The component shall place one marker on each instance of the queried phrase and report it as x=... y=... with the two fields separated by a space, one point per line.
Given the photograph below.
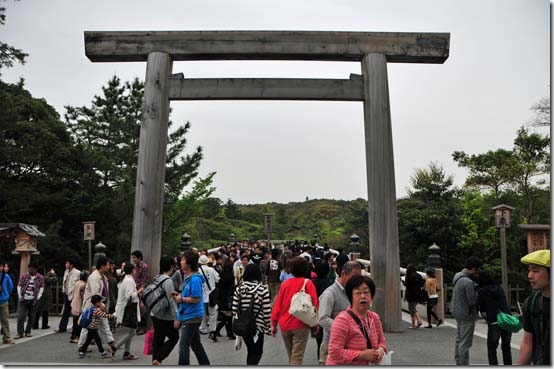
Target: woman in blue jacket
x=191 y=311
x=6 y=287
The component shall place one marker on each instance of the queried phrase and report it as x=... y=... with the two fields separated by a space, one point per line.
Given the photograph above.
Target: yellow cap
x=539 y=257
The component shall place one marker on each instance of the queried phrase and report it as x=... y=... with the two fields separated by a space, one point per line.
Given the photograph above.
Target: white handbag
x=302 y=308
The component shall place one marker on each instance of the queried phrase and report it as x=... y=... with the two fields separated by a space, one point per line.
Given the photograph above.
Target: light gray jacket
x=464 y=297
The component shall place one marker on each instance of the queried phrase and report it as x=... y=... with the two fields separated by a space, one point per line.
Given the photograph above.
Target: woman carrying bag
x=295 y=333
x=251 y=290
x=127 y=311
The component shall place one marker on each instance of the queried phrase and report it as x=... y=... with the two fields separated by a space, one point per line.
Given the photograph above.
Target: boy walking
x=99 y=313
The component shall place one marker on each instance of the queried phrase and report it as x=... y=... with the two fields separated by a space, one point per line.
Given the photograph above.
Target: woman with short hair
x=357 y=334
x=295 y=332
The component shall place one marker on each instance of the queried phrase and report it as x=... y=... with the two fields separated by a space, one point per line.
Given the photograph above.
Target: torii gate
x=373 y=49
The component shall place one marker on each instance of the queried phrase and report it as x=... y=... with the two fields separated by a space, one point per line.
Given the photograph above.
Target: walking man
x=97 y=284
x=333 y=301
x=464 y=308
x=535 y=347
x=70 y=277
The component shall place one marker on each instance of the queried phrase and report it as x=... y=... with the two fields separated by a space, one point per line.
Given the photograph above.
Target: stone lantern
x=434 y=261
x=99 y=250
x=434 y=258
x=185 y=241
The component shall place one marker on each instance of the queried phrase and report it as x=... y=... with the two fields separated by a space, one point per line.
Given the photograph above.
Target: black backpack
x=245 y=324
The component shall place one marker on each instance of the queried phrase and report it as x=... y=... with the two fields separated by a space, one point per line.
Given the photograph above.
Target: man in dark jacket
x=492 y=298
x=464 y=308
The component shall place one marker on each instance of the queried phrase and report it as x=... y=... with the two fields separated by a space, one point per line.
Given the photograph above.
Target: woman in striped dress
x=250 y=289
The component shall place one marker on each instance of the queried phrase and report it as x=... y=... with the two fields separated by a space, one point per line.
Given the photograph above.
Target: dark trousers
x=25 y=310
x=92 y=335
x=431 y=302
x=227 y=322
x=190 y=339
x=255 y=349
x=38 y=315
x=160 y=347
x=494 y=334
x=66 y=314
x=76 y=332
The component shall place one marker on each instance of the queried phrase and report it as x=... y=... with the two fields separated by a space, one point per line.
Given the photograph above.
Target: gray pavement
x=411 y=347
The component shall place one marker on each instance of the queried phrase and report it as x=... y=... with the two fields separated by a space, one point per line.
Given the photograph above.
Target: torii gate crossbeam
x=373 y=49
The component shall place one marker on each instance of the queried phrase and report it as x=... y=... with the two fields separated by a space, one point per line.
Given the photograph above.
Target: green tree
x=189 y=205
x=531 y=164
x=110 y=130
x=231 y=210
x=430 y=214
x=9 y=54
x=212 y=207
x=490 y=170
x=46 y=178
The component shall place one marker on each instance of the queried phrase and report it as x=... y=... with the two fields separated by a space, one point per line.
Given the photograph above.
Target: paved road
x=411 y=347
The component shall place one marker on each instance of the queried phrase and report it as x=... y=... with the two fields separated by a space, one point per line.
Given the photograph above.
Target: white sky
x=282 y=151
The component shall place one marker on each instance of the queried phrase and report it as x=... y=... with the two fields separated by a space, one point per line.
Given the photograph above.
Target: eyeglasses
x=360 y=293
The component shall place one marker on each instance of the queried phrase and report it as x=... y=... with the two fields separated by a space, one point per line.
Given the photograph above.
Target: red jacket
x=280 y=313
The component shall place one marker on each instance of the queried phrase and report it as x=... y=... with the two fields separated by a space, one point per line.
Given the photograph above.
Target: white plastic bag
x=302 y=308
x=238 y=343
x=387 y=358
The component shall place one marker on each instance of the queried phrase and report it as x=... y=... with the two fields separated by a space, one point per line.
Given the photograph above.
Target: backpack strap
x=160 y=284
x=206 y=278
x=360 y=325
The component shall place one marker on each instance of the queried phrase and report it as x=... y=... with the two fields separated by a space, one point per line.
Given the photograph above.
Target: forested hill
x=333 y=221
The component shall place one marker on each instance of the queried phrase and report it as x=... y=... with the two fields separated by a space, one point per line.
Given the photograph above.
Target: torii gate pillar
x=148 y=213
x=381 y=193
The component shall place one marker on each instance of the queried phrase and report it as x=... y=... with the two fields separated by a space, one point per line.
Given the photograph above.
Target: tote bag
x=302 y=308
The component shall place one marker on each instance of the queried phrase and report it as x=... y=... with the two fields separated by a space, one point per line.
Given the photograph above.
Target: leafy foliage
x=9 y=54
x=56 y=175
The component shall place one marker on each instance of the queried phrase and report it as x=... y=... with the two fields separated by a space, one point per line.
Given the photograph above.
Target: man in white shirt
x=70 y=277
x=211 y=277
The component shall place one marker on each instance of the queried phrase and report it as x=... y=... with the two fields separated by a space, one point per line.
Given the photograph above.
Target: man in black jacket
x=492 y=298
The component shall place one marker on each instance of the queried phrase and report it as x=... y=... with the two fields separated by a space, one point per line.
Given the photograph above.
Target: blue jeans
x=190 y=339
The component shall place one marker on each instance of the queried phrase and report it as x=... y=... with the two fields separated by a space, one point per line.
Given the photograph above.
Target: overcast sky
x=499 y=66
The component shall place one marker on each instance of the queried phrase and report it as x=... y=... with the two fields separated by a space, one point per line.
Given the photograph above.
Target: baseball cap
x=203 y=260
x=539 y=257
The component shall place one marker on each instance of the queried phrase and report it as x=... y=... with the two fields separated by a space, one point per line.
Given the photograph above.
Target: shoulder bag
x=302 y=308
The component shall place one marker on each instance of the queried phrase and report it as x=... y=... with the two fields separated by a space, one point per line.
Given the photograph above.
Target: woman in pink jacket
x=356 y=334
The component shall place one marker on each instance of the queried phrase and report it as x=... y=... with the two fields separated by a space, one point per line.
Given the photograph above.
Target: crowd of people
x=203 y=292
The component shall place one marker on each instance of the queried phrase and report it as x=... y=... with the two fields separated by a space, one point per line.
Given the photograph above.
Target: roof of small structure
x=31 y=230
x=533 y=227
x=503 y=206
